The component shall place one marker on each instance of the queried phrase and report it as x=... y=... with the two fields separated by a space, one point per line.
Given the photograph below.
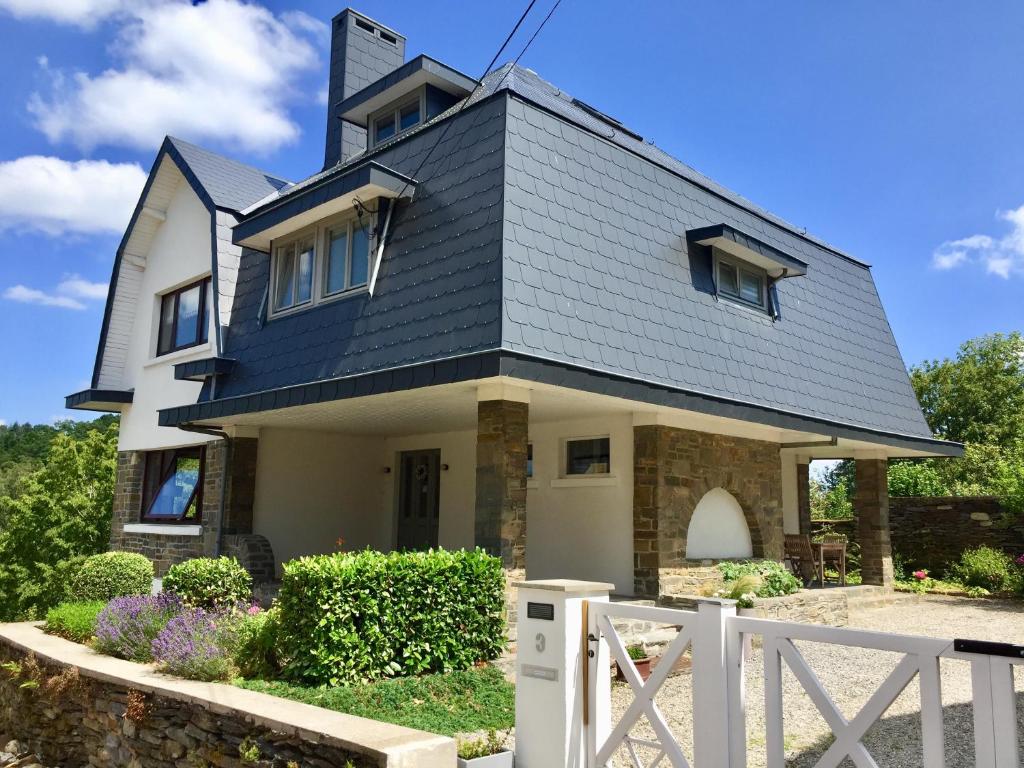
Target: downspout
x=218 y=542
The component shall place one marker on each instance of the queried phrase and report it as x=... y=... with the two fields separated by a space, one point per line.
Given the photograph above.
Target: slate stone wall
x=501 y=446
x=931 y=531
x=72 y=721
x=672 y=471
x=166 y=550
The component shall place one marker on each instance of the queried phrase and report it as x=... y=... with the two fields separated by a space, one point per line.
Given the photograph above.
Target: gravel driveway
x=851 y=676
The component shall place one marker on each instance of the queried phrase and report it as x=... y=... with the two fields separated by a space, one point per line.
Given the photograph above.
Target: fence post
x=712 y=735
x=550 y=689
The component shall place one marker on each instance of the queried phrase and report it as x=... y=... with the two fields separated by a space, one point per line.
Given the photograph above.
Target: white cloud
x=25 y=295
x=78 y=286
x=3 y=423
x=55 y=196
x=221 y=70
x=998 y=256
x=81 y=13
x=71 y=293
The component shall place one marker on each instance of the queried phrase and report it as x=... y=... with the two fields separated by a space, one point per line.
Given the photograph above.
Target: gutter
x=218 y=542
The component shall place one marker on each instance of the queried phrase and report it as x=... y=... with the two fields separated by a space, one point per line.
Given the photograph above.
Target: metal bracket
x=989 y=648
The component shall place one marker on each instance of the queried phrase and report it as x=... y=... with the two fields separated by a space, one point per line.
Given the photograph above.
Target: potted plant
x=638 y=655
x=487 y=752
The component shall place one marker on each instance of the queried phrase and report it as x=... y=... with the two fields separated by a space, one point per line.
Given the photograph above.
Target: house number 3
x=541 y=643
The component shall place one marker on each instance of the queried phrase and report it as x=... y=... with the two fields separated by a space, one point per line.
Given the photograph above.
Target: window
x=293 y=278
x=395 y=119
x=529 y=459
x=741 y=282
x=184 y=317
x=325 y=262
x=173 y=485
x=588 y=456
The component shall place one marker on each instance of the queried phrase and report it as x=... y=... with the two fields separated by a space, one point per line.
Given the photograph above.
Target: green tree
x=830 y=499
x=917 y=478
x=62 y=511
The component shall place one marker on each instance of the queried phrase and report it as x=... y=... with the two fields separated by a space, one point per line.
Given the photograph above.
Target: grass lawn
x=457 y=702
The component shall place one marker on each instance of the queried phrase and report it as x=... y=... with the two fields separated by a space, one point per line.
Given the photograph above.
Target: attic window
x=396 y=118
x=740 y=282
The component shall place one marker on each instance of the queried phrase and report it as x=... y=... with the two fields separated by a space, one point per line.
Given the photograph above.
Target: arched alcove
x=718 y=528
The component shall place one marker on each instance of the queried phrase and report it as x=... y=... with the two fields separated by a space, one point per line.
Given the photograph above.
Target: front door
x=419 y=493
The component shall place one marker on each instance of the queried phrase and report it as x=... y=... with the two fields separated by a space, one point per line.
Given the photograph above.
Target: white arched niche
x=718 y=529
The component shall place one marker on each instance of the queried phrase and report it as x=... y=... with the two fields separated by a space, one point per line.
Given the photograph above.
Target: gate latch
x=989 y=648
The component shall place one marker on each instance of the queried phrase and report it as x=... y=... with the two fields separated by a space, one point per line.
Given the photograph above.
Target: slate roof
x=229 y=183
x=595 y=272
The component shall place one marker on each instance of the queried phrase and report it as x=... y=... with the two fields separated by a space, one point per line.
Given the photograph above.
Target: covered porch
x=556 y=481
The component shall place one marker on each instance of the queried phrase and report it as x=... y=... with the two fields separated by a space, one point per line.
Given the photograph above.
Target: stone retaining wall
x=73 y=707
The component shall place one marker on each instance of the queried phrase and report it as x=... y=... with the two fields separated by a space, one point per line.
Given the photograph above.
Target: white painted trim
x=157 y=529
x=198 y=351
x=584 y=481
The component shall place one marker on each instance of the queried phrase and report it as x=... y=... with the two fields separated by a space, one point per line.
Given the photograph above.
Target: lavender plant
x=128 y=625
x=199 y=644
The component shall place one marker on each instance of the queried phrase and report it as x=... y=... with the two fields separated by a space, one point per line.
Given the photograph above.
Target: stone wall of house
x=167 y=549
x=501 y=448
x=931 y=531
x=74 y=718
x=672 y=471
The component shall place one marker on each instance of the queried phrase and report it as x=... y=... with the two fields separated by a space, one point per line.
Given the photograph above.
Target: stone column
x=131 y=468
x=646 y=484
x=803 y=496
x=501 y=442
x=240 y=494
x=871 y=505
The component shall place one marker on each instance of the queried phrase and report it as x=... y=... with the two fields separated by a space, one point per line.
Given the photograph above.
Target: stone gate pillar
x=871 y=506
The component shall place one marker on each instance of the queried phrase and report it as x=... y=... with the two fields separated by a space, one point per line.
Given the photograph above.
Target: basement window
x=184 y=317
x=173 y=485
x=587 y=456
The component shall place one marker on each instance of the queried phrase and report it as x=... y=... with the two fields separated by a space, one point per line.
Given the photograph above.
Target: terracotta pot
x=643 y=668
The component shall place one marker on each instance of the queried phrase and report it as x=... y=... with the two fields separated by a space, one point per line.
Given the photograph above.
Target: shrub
x=776 y=580
x=351 y=617
x=74 y=621
x=127 y=626
x=256 y=647
x=113 y=574
x=987 y=568
x=212 y=583
x=743 y=590
x=198 y=644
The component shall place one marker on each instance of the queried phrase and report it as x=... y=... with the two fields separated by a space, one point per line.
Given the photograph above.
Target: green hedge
x=353 y=617
x=112 y=574
x=208 y=582
x=74 y=621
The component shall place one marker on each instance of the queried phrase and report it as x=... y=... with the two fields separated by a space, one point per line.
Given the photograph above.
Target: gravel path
x=851 y=675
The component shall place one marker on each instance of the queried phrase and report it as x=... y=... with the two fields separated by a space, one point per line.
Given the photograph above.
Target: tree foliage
x=61 y=511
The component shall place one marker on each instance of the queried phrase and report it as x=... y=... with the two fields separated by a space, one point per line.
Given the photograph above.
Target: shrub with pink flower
x=920 y=575
x=1020 y=560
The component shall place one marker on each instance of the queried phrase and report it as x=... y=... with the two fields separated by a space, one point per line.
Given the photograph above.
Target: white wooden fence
x=715 y=636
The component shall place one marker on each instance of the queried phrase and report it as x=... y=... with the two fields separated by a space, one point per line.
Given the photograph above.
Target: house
x=496 y=317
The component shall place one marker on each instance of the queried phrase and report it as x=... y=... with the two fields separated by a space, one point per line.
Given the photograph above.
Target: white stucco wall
x=584 y=530
x=718 y=528
x=179 y=254
x=790 y=511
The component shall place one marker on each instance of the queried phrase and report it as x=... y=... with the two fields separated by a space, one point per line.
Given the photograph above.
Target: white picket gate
x=714 y=634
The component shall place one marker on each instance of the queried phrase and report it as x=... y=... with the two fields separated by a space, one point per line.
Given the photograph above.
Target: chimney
x=362 y=52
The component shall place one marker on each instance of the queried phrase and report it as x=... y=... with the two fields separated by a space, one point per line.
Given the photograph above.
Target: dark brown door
x=419 y=494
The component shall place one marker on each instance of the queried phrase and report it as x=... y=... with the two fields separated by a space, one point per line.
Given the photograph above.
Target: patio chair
x=802 y=559
x=831 y=548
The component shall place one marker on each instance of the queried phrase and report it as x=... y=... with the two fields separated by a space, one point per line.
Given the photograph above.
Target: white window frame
x=563 y=469
x=395 y=108
x=741 y=267
x=320 y=233
x=292 y=243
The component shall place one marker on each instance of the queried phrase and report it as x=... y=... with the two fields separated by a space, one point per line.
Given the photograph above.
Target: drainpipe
x=218 y=542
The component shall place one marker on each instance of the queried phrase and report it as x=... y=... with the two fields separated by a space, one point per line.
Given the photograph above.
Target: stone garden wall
x=931 y=531
x=74 y=708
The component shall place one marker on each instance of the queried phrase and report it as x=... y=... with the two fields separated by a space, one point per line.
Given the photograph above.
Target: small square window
x=383 y=128
x=746 y=284
x=750 y=287
x=728 y=283
x=172 y=486
x=529 y=459
x=409 y=115
x=588 y=456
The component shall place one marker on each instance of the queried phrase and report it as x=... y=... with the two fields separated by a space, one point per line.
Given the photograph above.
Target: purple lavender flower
x=127 y=625
x=198 y=644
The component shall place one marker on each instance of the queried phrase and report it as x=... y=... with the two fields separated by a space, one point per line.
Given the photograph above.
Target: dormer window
x=395 y=119
x=740 y=282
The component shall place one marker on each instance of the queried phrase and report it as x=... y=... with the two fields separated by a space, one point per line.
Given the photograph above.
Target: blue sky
x=892 y=130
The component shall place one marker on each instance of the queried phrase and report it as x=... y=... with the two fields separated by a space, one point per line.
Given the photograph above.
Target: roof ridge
x=178 y=142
